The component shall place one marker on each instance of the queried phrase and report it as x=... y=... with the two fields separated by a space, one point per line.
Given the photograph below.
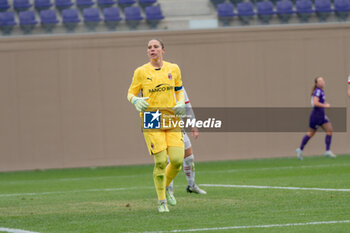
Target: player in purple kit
x=318 y=118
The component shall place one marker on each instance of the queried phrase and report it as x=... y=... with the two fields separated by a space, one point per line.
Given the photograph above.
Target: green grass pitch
x=123 y=199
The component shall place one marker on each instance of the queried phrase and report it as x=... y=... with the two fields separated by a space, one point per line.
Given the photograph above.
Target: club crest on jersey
x=152 y=146
x=170 y=77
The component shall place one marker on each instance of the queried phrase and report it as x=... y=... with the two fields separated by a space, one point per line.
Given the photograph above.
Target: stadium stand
x=235 y=2
x=4 y=5
x=70 y=18
x=91 y=18
x=48 y=20
x=217 y=2
x=265 y=11
x=342 y=9
x=225 y=13
x=63 y=4
x=133 y=16
x=284 y=10
x=153 y=16
x=126 y=3
x=177 y=14
x=112 y=17
x=304 y=10
x=245 y=12
x=323 y=9
x=42 y=5
x=27 y=21
x=146 y=3
x=105 y=3
x=7 y=22
x=21 y=5
x=82 y=4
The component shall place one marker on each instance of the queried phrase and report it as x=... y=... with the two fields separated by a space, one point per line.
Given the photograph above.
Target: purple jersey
x=318 y=116
x=321 y=98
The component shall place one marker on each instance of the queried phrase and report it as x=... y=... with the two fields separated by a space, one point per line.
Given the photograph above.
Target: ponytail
x=315 y=85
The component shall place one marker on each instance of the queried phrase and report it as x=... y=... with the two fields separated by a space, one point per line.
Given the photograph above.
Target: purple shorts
x=317 y=120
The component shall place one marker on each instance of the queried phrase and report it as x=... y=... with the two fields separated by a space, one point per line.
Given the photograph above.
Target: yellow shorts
x=159 y=140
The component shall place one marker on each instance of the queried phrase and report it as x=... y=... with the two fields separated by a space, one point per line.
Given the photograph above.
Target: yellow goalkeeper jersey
x=159 y=84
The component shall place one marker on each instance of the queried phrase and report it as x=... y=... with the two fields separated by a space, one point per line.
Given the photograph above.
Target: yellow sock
x=160 y=161
x=176 y=156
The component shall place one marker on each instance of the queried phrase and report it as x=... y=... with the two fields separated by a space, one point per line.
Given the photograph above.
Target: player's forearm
x=130 y=96
x=320 y=105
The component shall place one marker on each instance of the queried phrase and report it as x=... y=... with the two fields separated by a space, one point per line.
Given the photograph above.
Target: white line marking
x=253 y=226
x=273 y=187
x=73 y=191
x=151 y=187
x=15 y=230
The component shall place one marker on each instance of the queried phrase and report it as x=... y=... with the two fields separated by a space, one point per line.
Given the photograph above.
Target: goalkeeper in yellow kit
x=161 y=87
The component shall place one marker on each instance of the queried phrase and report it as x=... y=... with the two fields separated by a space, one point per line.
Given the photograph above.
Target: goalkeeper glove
x=180 y=108
x=140 y=103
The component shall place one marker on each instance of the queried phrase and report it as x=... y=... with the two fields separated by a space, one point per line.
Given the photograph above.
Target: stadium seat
x=4 y=5
x=27 y=21
x=146 y=3
x=126 y=3
x=7 y=22
x=225 y=13
x=42 y=4
x=284 y=10
x=111 y=17
x=265 y=11
x=105 y=3
x=70 y=18
x=48 y=20
x=82 y=4
x=153 y=16
x=342 y=9
x=323 y=9
x=245 y=12
x=21 y=5
x=91 y=18
x=133 y=16
x=304 y=10
x=63 y=4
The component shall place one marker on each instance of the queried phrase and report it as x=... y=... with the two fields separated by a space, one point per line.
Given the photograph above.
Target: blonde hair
x=315 y=85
